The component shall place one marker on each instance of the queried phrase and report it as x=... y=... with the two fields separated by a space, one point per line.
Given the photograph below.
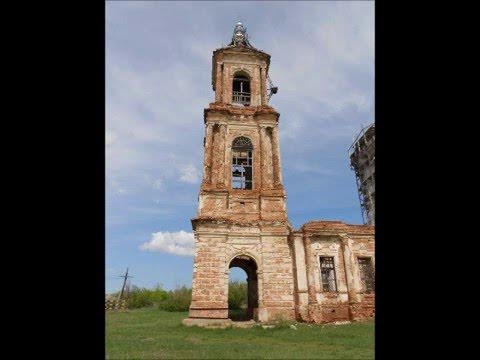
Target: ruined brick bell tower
x=242 y=219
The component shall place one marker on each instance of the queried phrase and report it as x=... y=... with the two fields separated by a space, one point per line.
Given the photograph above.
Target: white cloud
x=177 y=243
x=189 y=174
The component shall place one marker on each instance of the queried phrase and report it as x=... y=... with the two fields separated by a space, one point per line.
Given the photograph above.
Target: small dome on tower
x=240 y=37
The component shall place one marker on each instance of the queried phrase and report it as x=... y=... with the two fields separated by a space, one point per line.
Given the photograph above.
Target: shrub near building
x=179 y=299
x=138 y=297
x=237 y=295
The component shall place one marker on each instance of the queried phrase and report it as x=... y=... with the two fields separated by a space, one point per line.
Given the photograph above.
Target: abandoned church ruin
x=321 y=272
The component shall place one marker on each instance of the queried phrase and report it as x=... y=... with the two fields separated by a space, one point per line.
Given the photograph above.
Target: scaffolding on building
x=362 y=162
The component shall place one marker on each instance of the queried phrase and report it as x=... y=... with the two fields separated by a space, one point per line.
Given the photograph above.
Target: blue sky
x=158 y=81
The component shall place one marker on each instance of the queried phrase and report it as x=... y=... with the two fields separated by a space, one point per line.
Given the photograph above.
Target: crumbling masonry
x=323 y=271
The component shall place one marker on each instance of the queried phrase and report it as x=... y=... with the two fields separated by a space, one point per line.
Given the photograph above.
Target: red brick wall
x=329 y=238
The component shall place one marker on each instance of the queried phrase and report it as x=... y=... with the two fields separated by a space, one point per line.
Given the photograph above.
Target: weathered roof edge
x=337 y=226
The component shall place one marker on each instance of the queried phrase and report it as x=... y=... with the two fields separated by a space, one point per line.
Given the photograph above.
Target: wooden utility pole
x=125 y=277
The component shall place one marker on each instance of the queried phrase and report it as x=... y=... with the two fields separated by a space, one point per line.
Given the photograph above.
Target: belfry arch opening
x=241 y=89
x=250 y=309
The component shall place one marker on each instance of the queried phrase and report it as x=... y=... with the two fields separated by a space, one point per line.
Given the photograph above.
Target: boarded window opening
x=329 y=277
x=367 y=277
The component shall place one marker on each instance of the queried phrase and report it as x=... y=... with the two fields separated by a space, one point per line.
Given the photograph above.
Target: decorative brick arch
x=247 y=253
x=240 y=69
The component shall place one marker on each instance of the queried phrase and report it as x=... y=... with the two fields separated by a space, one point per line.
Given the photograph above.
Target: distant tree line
x=180 y=298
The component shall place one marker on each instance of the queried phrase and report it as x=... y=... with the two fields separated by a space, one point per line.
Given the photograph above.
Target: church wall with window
x=334 y=270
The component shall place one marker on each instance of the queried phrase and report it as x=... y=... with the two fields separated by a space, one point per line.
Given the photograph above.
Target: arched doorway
x=249 y=265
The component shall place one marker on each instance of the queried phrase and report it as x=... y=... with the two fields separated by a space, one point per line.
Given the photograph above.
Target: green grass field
x=155 y=334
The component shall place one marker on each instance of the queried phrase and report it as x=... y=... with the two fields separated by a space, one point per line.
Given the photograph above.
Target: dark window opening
x=241 y=90
x=242 y=164
x=367 y=277
x=327 y=270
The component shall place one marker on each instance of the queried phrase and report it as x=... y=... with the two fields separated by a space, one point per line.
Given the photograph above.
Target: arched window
x=241 y=89
x=242 y=161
